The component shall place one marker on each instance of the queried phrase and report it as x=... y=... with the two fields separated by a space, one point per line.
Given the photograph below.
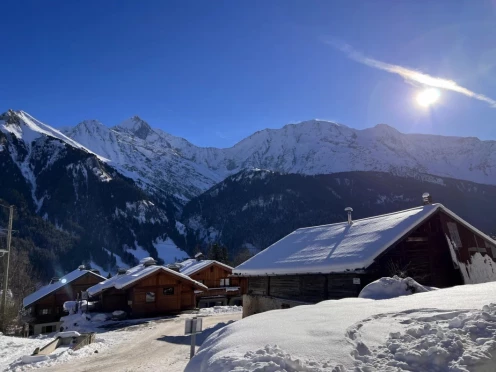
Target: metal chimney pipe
x=349 y=210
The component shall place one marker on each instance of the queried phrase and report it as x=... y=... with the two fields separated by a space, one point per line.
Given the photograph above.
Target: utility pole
x=6 y=277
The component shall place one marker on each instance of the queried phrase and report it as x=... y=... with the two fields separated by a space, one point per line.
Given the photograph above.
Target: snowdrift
x=444 y=330
x=385 y=288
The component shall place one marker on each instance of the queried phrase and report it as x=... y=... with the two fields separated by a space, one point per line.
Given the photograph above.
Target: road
x=162 y=348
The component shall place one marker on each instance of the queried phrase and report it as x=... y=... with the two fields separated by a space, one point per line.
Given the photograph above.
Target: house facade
x=431 y=244
x=45 y=306
x=223 y=288
x=146 y=290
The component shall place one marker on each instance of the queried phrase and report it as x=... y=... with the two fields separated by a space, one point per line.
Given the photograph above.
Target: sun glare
x=428 y=97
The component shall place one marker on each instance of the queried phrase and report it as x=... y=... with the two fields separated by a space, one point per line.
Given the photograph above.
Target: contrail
x=409 y=74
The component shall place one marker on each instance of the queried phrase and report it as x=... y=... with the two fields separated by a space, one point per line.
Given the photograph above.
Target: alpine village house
x=45 y=306
x=145 y=290
x=429 y=243
x=223 y=288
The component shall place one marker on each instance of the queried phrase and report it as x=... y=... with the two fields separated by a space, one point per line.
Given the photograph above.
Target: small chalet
x=145 y=290
x=45 y=306
x=430 y=244
x=223 y=289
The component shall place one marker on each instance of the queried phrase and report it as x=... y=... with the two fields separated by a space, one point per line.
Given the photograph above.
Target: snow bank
x=220 y=310
x=13 y=348
x=67 y=334
x=450 y=329
x=385 y=288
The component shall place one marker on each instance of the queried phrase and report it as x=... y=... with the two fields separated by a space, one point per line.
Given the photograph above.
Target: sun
x=428 y=97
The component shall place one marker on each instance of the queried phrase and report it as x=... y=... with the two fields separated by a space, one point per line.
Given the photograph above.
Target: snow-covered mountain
x=311 y=147
x=118 y=193
x=72 y=207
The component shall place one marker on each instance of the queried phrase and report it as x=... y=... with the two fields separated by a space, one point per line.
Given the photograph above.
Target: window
x=48 y=329
x=45 y=311
x=224 y=282
x=169 y=291
x=150 y=296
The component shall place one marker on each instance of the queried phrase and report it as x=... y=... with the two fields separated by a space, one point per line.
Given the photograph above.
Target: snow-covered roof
x=340 y=247
x=135 y=274
x=192 y=266
x=50 y=288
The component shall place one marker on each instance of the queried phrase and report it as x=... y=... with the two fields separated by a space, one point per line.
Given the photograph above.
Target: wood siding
x=211 y=275
x=422 y=254
x=306 y=288
x=170 y=294
x=54 y=302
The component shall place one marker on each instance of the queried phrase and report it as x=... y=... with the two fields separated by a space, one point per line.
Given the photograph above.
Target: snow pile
x=385 y=288
x=67 y=334
x=458 y=341
x=220 y=310
x=76 y=322
x=12 y=348
x=450 y=329
x=271 y=359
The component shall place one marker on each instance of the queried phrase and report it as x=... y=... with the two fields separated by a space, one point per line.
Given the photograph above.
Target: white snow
x=480 y=269
x=445 y=330
x=385 y=288
x=137 y=273
x=67 y=334
x=168 y=251
x=153 y=157
x=220 y=310
x=46 y=290
x=31 y=129
x=340 y=247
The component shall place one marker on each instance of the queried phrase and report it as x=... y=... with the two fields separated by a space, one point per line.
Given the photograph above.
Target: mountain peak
x=136 y=126
x=10 y=117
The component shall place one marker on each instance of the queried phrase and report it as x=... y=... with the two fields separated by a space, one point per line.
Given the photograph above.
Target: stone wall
x=254 y=304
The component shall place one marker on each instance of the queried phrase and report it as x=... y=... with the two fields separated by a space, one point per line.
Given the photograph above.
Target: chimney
x=349 y=210
x=199 y=256
x=82 y=267
x=426 y=198
x=149 y=262
x=55 y=279
x=174 y=267
x=121 y=271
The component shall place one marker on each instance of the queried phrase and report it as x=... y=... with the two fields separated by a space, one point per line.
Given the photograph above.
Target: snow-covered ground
x=127 y=334
x=220 y=310
x=443 y=330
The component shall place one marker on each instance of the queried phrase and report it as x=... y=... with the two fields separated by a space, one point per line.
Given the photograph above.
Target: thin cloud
x=409 y=74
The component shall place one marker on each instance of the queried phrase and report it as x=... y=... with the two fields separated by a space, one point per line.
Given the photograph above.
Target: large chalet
x=429 y=243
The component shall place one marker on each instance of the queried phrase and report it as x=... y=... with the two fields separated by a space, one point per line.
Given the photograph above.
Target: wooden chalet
x=45 y=306
x=430 y=243
x=146 y=290
x=223 y=288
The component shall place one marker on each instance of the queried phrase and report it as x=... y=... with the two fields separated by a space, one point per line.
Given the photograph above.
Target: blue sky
x=216 y=71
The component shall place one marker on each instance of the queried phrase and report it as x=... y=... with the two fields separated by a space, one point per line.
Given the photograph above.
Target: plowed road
x=162 y=348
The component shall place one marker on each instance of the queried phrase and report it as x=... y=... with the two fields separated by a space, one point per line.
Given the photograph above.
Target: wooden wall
x=134 y=298
x=423 y=255
x=307 y=288
x=55 y=300
x=211 y=275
